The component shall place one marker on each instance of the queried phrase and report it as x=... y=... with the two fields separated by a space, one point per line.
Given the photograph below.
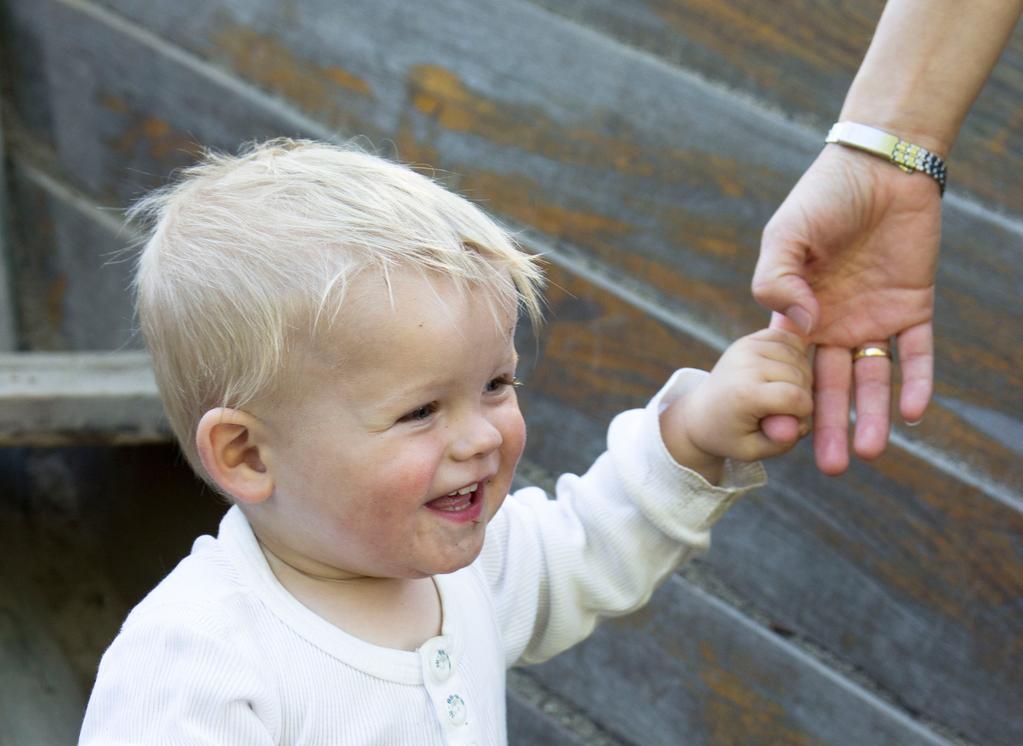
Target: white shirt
x=220 y=653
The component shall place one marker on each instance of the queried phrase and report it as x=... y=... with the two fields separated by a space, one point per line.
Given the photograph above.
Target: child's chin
x=458 y=561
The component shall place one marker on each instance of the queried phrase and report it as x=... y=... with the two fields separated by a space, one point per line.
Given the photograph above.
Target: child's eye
x=419 y=413
x=501 y=382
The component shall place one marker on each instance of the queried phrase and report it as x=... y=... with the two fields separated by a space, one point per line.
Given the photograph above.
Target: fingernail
x=915 y=423
x=800 y=317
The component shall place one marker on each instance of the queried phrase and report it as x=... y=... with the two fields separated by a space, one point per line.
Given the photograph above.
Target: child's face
x=365 y=455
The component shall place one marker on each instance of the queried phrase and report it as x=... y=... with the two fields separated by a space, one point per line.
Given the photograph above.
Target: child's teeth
x=465 y=490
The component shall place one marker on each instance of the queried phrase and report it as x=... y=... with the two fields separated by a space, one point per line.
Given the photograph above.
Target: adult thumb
x=778 y=284
x=782 y=429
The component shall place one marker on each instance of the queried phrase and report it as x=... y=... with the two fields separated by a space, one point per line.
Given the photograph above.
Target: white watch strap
x=905 y=155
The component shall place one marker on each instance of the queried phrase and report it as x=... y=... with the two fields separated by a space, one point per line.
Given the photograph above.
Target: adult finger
x=779 y=283
x=873 y=376
x=916 y=362
x=832 y=369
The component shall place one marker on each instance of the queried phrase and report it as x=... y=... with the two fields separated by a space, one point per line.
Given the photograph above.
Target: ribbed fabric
x=220 y=653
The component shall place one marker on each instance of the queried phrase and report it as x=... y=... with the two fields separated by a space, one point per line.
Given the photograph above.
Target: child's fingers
x=781 y=347
x=780 y=397
x=781 y=338
x=772 y=371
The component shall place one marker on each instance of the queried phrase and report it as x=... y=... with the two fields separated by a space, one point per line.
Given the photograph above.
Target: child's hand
x=763 y=374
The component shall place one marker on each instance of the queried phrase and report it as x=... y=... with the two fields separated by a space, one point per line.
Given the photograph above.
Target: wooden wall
x=641 y=146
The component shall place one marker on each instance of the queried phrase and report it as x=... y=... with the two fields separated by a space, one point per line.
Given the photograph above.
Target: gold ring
x=871 y=351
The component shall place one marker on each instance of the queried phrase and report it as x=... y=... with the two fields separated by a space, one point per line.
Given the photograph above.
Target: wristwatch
x=907 y=156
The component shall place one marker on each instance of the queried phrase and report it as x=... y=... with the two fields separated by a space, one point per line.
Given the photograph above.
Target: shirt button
x=456 y=709
x=440 y=664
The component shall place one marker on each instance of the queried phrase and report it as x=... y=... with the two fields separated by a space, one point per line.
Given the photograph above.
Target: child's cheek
x=513 y=432
x=414 y=474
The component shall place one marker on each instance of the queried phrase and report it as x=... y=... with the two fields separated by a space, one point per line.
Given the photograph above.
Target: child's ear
x=231 y=451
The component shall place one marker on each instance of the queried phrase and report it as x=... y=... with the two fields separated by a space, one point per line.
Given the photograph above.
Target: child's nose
x=478 y=437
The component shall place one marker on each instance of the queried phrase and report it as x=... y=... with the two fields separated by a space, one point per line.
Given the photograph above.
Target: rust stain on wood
x=439 y=94
x=752 y=40
x=988 y=551
x=737 y=712
x=997 y=143
x=156 y=136
x=819 y=34
x=55 y=293
x=270 y=64
x=524 y=200
x=412 y=150
x=599 y=356
x=347 y=80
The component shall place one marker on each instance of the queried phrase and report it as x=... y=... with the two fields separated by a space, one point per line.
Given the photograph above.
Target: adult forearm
x=926 y=64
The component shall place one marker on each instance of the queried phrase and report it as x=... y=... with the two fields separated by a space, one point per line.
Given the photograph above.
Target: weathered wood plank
x=801 y=57
x=562 y=148
x=23 y=61
x=68 y=398
x=690 y=669
x=865 y=566
x=66 y=252
x=40 y=702
x=537 y=717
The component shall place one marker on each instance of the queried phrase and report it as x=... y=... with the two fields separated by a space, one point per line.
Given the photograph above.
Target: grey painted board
x=70 y=273
x=40 y=702
x=800 y=58
x=527 y=727
x=23 y=50
x=655 y=678
x=865 y=566
x=66 y=398
x=535 y=716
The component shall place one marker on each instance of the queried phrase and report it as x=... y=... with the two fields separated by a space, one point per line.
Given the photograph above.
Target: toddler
x=333 y=336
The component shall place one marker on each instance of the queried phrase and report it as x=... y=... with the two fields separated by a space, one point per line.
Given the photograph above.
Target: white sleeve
x=168 y=681
x=555 y=567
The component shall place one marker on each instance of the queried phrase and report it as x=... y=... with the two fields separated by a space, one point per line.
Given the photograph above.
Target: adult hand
x=849 y=259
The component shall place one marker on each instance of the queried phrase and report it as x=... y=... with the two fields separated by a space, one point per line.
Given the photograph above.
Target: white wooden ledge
x=49 y=399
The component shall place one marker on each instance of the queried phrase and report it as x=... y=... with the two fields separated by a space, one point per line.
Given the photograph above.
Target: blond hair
x=248 y=256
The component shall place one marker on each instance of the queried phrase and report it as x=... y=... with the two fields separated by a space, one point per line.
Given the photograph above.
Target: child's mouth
x=462 y=505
